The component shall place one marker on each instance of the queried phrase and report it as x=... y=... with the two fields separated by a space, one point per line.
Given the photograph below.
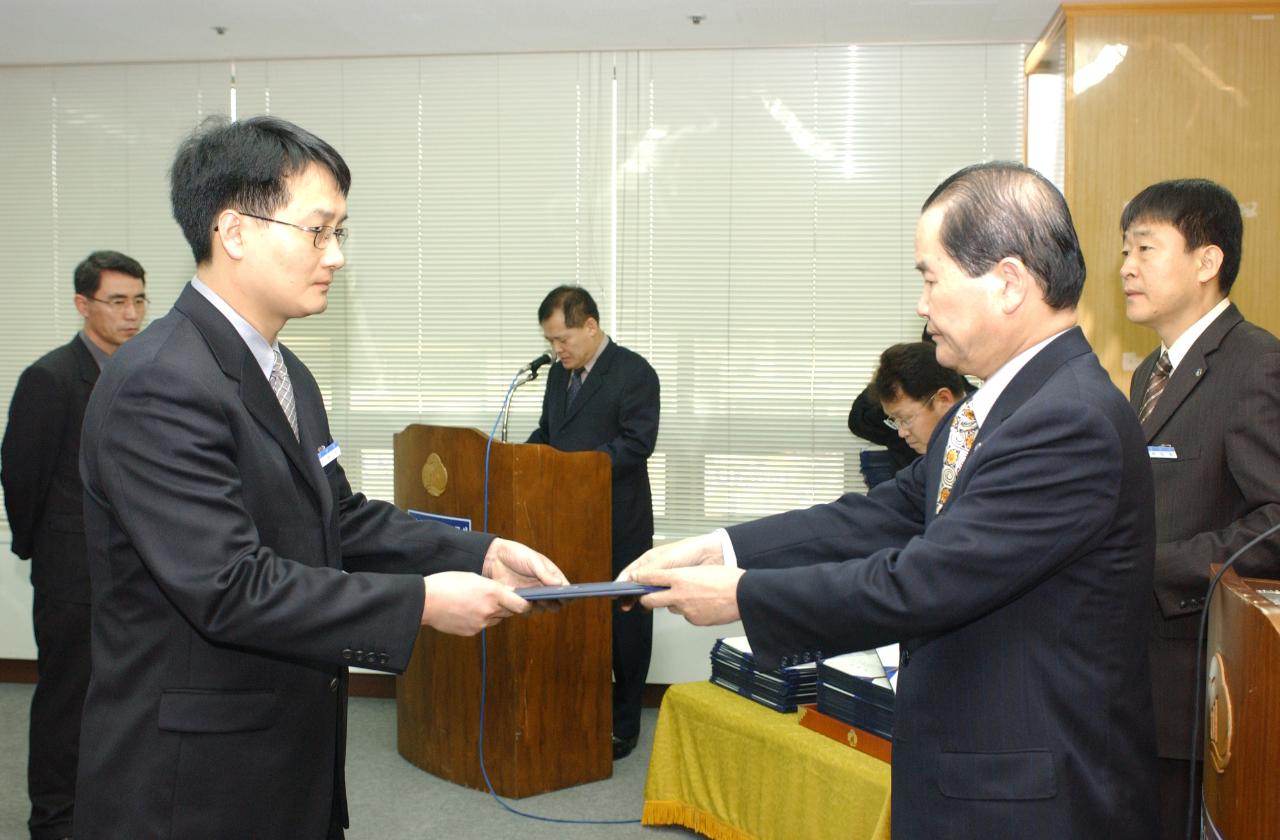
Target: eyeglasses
x=896 y=423
x=323 y=233
x=119 y=302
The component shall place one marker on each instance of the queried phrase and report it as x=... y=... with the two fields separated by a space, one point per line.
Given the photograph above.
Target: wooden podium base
x=548 y=713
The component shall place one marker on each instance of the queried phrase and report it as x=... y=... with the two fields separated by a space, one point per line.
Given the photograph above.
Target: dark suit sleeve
x=166 y=460
x=638 y=410
x=1252 y=447
x=379 y=537
x=855 y=525
x=1044 y=491
x=37 y=420
x=539 y=434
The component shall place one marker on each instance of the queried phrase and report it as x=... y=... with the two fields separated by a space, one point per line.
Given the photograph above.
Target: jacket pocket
x=191 y=710
x=1024 y=774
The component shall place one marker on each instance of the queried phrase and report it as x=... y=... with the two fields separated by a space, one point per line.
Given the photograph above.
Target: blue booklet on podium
x=604 y=589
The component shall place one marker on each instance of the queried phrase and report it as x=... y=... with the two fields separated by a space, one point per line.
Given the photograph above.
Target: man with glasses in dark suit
x=43 y=497
x=603 y=397
x=235 y=572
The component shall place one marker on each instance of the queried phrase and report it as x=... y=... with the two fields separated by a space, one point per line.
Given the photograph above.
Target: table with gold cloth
x=731 y=769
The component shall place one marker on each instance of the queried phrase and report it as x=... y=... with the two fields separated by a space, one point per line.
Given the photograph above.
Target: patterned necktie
x=1155 y=386
x=284 y=391
x=964 y=428
x=575 y=385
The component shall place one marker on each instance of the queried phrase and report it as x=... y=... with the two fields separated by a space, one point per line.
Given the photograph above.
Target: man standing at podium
x=1012 y=561
x=605 y=397
x=1208 y=399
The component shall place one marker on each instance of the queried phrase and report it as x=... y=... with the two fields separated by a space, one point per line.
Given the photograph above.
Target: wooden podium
x=1242 y=711
x=548 y=712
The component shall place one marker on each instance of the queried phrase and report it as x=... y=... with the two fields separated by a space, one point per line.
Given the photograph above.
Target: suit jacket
x=616 y=412
x=234 y=579
x=1023 y=705
x=1220 y=411
x=41 y=470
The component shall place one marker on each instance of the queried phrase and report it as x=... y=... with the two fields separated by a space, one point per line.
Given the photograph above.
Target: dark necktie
x=575 y=385
x=1155 y=386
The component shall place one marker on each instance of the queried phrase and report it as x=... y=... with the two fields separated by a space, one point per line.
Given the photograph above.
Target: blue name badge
x=458 y=522
x=1164 y=451
x=329 y=454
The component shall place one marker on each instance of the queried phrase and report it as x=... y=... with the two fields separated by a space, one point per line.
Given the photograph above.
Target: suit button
x=346 y=654
x=383 y=658
x=906 y=657
x=1183 y=603
x=333 y=684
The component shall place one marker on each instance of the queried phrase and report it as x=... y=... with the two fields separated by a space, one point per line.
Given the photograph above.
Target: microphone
x=532 y=368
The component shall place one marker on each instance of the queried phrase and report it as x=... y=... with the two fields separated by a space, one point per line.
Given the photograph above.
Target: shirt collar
x=1182 y=344
x=263 y=353
x=984 y=399
x=94 y=350
x=586 y=369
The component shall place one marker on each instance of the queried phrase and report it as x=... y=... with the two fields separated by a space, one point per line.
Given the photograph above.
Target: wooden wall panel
x=1197 y=95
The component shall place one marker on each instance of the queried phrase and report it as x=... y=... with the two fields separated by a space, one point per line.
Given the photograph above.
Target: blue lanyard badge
x=1164 y=451
x=329 y=454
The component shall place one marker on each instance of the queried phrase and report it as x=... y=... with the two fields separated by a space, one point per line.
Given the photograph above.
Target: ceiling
x=95 y=31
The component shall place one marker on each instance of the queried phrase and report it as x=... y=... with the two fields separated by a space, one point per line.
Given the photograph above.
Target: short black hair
x=576 y=303
x=1004 y=209
x=243 y=165
x=88 y=276
x=912 y=370
x=1205 y=213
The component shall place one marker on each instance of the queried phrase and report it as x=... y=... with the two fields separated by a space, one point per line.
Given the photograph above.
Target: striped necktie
x=283 y=387
x=575 y=385
x=1155 y=386
x=964 y=428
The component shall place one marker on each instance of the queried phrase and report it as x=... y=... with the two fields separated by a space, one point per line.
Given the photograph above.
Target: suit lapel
x=86 y=365
x=1031 y=378
x=312 y=429
x=238 y=364
x=594 y=382
x=1189 y=372
x=1138 y=387
x=1022 y=388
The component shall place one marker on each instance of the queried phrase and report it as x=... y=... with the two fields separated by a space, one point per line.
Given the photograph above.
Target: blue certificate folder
x=604 y=589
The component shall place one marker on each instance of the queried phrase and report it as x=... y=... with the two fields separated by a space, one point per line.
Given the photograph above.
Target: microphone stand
x=522 y=378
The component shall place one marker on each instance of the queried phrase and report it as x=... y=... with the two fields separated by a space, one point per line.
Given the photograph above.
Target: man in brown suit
x=1209 y=401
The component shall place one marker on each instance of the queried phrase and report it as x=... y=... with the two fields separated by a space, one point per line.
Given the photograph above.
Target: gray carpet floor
x=392 y=799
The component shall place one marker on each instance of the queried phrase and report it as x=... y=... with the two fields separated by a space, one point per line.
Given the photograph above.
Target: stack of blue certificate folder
x=858 y=689
x=781 y=689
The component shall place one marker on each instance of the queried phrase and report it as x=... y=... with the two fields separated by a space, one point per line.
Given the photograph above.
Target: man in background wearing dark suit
x=235 y=574
x=1012 y=561
x=605 y=397
x=44 y=499
x=1209 y=401
x=915 y=392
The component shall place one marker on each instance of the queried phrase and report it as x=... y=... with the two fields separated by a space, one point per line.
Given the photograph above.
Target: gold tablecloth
x=731 y=769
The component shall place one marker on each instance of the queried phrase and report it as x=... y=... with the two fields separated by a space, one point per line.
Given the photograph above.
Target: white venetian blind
x=84 y=155
x=744 y=218
x=767 y=213
x=476 y=189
